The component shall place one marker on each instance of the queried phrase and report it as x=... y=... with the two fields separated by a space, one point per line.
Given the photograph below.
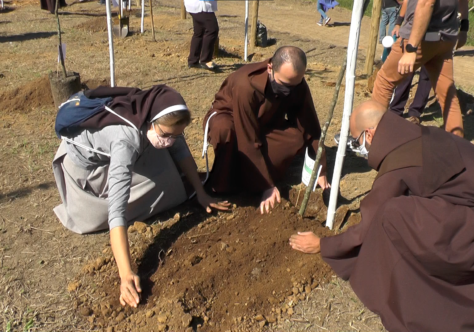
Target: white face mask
x=157 y=141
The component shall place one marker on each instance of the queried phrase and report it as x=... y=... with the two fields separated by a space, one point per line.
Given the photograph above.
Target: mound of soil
x=97 y=24
x=27 y=97
x=234 y=271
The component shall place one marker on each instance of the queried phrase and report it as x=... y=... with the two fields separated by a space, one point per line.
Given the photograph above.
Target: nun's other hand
x=129 y=290
x=306 y=242
x=209 y=203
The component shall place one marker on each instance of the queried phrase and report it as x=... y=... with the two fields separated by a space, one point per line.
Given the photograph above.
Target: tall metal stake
x=142 y=27
x=352 y=47
x=246 y=43
x=111 y=43
x=314 y=173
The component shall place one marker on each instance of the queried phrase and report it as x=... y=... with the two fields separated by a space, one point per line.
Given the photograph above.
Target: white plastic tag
x=308 y=169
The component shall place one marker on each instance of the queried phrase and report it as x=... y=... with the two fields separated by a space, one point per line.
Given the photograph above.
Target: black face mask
x=280 y=89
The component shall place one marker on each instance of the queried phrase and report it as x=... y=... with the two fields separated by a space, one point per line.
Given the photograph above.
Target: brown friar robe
x=411 y=258
x=51 y=5
x=255 y=133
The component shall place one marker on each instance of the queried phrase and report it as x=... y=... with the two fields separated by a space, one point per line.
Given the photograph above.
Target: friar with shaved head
x=261 y=118
x=411 y=258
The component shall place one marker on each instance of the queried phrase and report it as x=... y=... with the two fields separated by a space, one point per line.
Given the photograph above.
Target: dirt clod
x=84 y=311
x=186 y=320
x=162 y=319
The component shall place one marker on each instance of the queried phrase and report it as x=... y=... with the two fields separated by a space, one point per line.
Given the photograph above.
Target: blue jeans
x=321 y=11
x=389 y=16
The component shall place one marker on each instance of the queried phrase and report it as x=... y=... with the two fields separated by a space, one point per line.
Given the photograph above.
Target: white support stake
x=352 y=47
x=246 y=30
x=143 y=16
x=111 y=43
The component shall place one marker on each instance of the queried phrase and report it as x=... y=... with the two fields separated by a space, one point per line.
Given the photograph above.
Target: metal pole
x=111 y=43
x=143 y=17
x=352 y=47
x=246 y=44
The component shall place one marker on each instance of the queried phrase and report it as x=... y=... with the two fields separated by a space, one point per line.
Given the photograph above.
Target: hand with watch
x=407 y=61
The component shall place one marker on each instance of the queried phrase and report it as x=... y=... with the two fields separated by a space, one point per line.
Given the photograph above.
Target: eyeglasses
x=355 y=141
x=166 y=135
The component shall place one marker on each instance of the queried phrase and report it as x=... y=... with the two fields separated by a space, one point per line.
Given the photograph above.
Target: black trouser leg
x=205 y=35
x=422 y=94
x=401 y=94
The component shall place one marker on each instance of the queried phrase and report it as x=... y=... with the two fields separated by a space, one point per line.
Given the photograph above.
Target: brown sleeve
x=245 y=107
x=107 y=91
x=341 y=251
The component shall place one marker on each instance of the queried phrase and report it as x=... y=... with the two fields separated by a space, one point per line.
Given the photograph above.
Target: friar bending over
x=411 y=258
x=262 y=116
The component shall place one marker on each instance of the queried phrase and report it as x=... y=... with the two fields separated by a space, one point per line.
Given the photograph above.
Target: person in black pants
x=206 y=30
x=402 y=92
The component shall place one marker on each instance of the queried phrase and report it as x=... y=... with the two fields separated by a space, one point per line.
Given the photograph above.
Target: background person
x=120 y=167
x=402 y=91
x=323 y=6
x=428 y=36
x=206 y=31
x=389 y=18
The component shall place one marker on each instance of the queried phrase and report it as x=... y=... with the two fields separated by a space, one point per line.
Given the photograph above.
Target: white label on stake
x=308 y=169
x=63 y=46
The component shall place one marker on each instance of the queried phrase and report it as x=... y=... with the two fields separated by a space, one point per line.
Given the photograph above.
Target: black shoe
x=211 y=67
x=194 y=65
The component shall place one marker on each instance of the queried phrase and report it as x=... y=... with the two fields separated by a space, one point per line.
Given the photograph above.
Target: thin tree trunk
x=312 y=180
x=61 y=56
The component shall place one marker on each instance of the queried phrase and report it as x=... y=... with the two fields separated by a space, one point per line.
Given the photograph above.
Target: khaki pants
x=437 y=57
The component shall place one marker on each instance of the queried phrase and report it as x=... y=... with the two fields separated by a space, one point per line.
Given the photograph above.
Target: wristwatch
x=410 y=48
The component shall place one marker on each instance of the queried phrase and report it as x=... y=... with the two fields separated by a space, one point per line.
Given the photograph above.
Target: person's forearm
x=423 y=12
x=188 y=166
x=120 y=248
x=403 y=10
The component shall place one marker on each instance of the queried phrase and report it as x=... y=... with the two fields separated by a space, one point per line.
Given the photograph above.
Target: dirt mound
x=97 y=24
x=24 y=99
x=232 y=271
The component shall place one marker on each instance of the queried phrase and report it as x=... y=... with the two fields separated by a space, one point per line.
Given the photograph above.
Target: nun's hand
x=306 y=242
x=130 y=289
x=209 y=203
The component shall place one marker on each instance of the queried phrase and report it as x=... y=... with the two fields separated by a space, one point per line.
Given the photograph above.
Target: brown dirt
x=235 y=271
x=25 y=98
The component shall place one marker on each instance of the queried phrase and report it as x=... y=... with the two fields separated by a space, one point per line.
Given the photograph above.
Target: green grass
x=349 y=4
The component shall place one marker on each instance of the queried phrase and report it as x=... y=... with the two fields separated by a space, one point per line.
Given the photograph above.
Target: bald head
x=366 y=115
x=292 y=55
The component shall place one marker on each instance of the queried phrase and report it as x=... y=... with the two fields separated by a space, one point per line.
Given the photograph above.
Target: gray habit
x=156 y=186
